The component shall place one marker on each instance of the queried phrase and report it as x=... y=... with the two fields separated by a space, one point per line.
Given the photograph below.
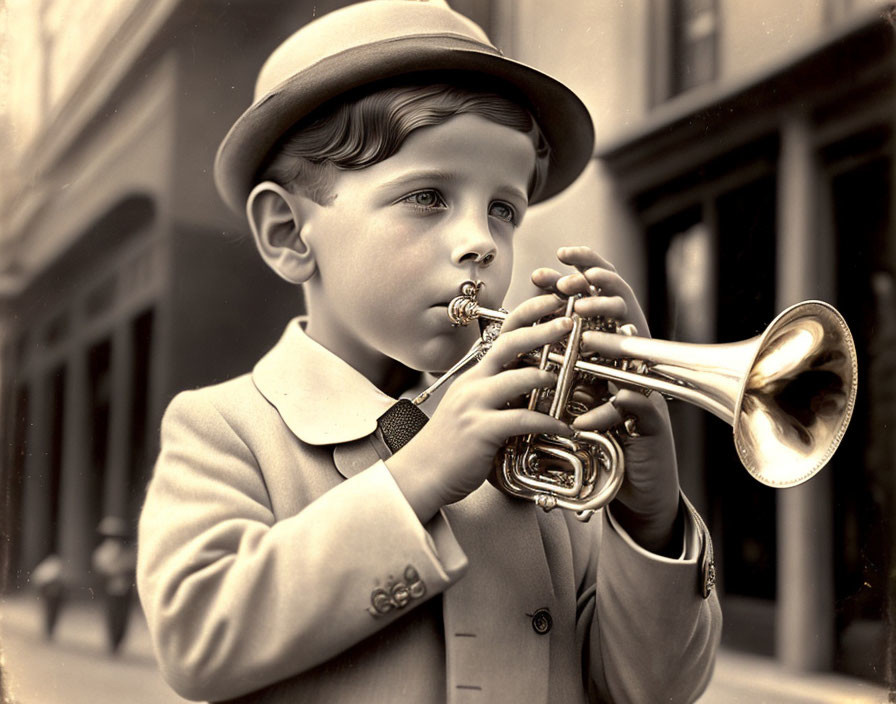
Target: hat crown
x=364 y=44
x=359 y=25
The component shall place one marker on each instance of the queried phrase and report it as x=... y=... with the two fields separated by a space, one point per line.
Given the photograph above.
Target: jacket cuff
x=696 y=546
x=446 y=561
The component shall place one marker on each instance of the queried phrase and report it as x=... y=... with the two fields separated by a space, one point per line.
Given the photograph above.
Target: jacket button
x=542 y=621
x=380 y=601
x=400 y=595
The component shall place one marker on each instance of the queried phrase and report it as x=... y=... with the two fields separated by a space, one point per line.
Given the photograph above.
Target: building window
x=695 y=28
x=684 y=46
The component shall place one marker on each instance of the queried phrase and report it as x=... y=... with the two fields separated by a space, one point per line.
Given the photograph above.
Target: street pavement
x=76 y=668
x=749 y=679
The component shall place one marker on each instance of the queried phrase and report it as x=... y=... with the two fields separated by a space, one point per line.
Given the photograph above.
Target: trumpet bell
x=798 y=395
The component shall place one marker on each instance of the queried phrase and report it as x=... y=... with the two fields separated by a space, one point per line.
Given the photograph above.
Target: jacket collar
x=321 y=398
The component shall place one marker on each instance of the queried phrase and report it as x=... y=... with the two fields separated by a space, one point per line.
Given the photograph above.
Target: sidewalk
x=75 y=668
x=749 y=679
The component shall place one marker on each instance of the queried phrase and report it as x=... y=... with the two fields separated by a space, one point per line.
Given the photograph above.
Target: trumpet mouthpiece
x=463 y=309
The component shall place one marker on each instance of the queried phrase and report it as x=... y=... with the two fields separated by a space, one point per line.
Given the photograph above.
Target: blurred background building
x=744 y=162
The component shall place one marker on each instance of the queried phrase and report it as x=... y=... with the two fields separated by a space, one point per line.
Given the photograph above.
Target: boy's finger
x=581 y=256
x=586 y=282
x=530 y=311
x=600 y=418
x=626 y=405
x=510 y=346
x=546 y=279
x=608 y=281
x=572 y=284
x=613 y=307
x=633 y=404
x=522 y=421
x=507 y=386
x=615 y=346
x=594 y=280
x=611 y=284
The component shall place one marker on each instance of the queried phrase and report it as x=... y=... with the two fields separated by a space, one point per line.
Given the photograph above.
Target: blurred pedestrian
x=48 y=578
x=115 y=559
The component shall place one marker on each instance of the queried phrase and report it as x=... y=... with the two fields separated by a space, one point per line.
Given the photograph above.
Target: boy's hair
x=357 y=132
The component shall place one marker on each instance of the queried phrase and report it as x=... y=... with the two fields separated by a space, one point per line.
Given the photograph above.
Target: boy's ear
x=278 y=220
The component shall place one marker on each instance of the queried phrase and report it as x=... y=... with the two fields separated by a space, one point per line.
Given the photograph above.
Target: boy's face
x=401 y=236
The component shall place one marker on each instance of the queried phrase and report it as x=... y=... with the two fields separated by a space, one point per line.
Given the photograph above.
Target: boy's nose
x=480 y=259
x=474 y=244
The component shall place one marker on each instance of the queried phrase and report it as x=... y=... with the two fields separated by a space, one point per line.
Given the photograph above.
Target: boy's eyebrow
x=427 y=175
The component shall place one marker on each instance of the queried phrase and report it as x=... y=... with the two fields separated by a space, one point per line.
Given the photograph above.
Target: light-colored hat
x=384 y=39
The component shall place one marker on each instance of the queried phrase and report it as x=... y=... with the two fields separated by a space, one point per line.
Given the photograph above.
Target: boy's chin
x=438 y=358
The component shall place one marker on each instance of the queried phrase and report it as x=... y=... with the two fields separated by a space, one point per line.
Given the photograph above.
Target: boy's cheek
x=501 y=275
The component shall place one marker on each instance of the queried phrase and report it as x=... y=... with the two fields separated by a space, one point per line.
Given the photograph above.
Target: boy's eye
x=425 y=199
x=502 y=211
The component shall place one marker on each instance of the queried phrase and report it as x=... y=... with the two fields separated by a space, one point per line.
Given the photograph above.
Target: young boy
x=286 y=554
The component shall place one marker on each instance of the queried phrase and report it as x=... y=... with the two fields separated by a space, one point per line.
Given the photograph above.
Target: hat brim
x=561 y=115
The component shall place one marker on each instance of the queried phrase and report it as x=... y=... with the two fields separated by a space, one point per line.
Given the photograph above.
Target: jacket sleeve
x=236 y=600
x=648 y=633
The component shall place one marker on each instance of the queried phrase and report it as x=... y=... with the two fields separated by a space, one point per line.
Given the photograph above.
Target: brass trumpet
x=789 y=394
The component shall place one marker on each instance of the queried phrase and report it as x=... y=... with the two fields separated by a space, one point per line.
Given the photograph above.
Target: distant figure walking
x=115 y=559
x=48 y=579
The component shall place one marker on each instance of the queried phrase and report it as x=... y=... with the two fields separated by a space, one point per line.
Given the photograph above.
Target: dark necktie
x=401 y=423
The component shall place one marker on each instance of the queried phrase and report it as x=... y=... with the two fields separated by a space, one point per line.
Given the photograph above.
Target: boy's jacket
x=279 y=562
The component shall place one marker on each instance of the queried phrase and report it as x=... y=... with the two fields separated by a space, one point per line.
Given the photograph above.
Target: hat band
x=465 y=42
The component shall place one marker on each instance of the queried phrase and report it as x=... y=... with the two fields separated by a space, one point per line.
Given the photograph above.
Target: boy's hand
x=647 y=503
x=453 y=453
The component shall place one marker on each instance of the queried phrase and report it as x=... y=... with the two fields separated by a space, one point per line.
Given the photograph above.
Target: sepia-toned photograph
x=458 y=351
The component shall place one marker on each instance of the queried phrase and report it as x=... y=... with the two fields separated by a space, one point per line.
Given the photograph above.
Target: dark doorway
x=140 y=459
x=57 y=430
x=99 y=358
x=863 y=467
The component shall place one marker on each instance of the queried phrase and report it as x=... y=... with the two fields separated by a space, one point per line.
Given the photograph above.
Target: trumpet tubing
x=788 y=394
